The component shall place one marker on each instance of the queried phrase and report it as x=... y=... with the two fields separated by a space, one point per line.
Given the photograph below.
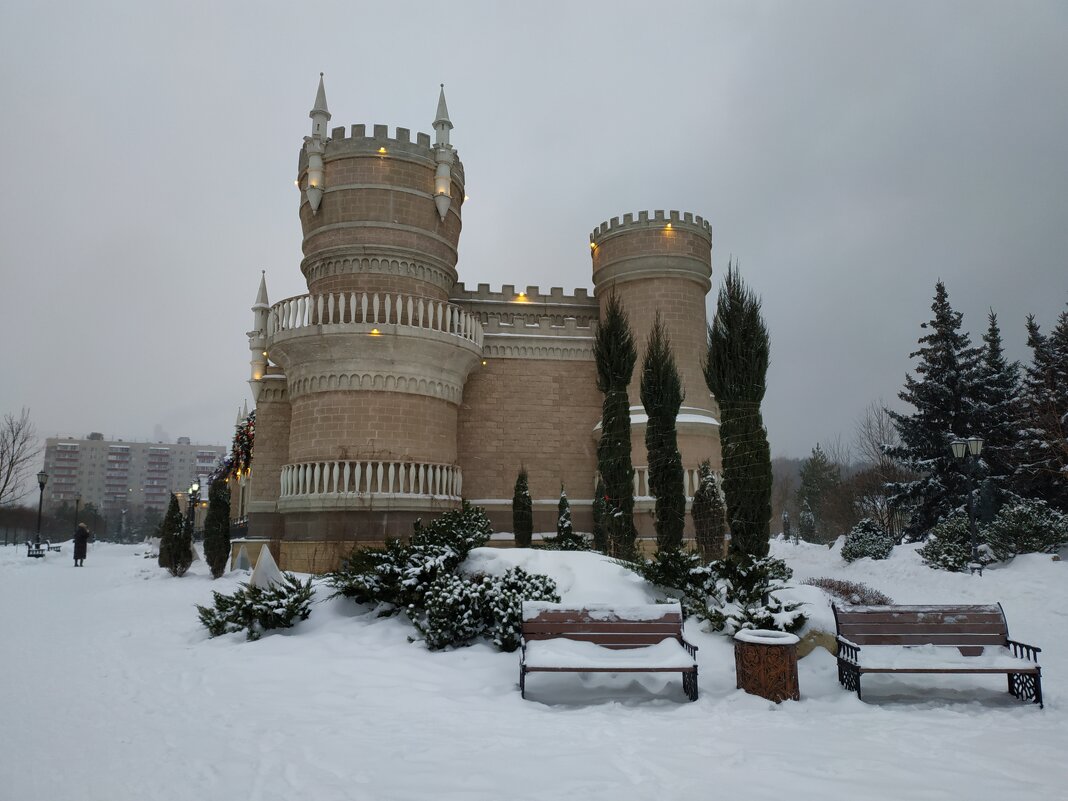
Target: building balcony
x=332 y=485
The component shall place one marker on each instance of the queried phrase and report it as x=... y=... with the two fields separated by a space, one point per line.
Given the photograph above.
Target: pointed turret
x=257 y=337
x=240 y=419
x=320 y=114
x=444 y=155
x=442 y=123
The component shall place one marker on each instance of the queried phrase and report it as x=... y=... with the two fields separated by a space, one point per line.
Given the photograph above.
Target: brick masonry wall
x=379 y=425
x=537 y=413
x=271 y=449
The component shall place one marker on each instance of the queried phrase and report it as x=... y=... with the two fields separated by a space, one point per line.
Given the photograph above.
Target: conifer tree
x=217 y=527
x=818 y=478
x=600 y=531
x=1041 y=456
x=736 y=373
x=945 y=399
x=174 y=545
x=563 y=516
x=615 y=354
x=661 y=394
x=708 y=514
x=522 y=511
x=998 y=415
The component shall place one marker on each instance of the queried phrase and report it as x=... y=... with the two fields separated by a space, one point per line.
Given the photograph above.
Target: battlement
x=540 y=327
x=379 y=143
x=654 y=219
x=532 y=295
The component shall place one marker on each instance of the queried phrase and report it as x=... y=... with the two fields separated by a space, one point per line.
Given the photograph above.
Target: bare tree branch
x=19 y=450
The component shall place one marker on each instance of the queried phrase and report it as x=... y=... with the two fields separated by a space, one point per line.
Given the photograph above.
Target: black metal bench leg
x=522 y=682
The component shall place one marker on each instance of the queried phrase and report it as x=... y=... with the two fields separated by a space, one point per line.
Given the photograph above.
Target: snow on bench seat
x=605 y=612
x=571 y=655
x=928 y=658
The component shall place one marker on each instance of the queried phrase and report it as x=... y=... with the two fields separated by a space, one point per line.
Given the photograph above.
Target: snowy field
x=112 y=690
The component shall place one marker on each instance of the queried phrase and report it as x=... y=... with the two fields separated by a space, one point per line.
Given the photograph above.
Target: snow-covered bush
x=1029 y=526
x=948 y=546
x=868 y=539
x=459 y=610
x=728 y=594
x=852 y=592
x=255 y=610
x=401 y=575
x=566 y=542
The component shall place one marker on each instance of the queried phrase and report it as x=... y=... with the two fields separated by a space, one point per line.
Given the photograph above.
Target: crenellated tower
x=374 y=357
x=662 y=261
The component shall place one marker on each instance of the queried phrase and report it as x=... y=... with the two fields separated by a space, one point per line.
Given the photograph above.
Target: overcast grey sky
x=848 y=154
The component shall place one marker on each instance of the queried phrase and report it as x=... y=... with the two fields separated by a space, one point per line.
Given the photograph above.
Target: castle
x=390 y=390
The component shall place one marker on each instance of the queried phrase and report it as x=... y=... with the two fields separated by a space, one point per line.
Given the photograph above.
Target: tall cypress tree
x=661 y=394
x=1042 y=448
x=217 y=527
x=172 y=539
x=522 y=511
x=736 y=373
x=945 y=397
x=615 y=354
x=564 y=527
x=600 y=523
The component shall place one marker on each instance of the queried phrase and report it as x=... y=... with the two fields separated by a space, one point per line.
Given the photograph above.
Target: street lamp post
x=77 y=503
x=194 y=499
x=42 y=479
x=962 y=449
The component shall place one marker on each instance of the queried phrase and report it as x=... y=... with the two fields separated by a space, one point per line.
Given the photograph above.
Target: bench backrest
x=612 y=627
x=966 y=627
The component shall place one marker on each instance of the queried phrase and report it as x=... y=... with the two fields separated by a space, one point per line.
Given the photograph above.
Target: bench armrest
x=691 y=649
x=1023 y=651
x=848 y=650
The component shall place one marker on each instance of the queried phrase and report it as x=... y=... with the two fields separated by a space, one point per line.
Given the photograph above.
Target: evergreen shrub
x=867 y=539
x=522 y=511
x=949 y=545
x=255 y=610
x=1029 y=526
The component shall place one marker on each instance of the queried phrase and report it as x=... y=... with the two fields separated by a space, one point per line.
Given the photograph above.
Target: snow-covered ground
x=111 y=690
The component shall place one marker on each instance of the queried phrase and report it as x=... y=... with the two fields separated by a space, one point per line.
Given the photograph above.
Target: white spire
x=261 y=295
x=244 y=410
x=240 y=419
x=442 y=123
x=320 y=114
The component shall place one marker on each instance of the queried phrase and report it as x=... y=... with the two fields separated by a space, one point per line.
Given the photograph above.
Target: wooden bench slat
x=1033 y=670
x=925 y=628
x=566 y=628
x=923 y=639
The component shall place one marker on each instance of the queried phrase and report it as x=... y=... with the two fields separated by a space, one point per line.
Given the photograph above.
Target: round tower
x=374 y=356
x=662 y=261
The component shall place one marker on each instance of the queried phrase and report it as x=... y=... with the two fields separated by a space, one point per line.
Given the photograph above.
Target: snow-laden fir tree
x=615 y=354
x=522 y=511
x=868 y=539
x=563 y=516
x=217 y=527
x=661 y=395
x=997 y=409
x=819 y=477
x=736 y=374
x=806 y=524
x=709 y=524
x=1041 y=457
x=945 y=397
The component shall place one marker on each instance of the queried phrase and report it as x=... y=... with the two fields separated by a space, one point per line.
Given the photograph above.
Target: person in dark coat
x=81 y=544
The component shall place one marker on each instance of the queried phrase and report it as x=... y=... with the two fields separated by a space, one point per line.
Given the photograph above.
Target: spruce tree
x=708 y=514
x=661 y=394
x=818 y=478
x=600 y=510
x=1041 y=456
x=945 y=397
x=522 y=511
x=171 y=539
x=998 y=415
x=217 y=527
x=615 y=354
x=736 y=372
x=563 y=516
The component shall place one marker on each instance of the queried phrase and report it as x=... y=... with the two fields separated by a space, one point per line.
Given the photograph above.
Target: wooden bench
x=35 y=551
x=933 y=639
x=600 y=638
x=50 y=547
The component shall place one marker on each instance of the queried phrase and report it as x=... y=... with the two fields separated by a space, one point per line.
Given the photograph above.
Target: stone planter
x=766 y=664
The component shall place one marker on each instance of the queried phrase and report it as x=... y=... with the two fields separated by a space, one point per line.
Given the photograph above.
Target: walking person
x=81 y=544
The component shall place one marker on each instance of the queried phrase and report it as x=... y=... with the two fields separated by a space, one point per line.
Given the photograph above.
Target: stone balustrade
x=365 y=308
x=347 y=478
x=691 y=479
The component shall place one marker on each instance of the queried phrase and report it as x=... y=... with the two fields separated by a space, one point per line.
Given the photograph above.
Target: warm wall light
x=296 y=184
x=483 y=362
x=668 y=226
x=382 y=150
x=593 y=245
x=375 y=332
x=466 y=198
